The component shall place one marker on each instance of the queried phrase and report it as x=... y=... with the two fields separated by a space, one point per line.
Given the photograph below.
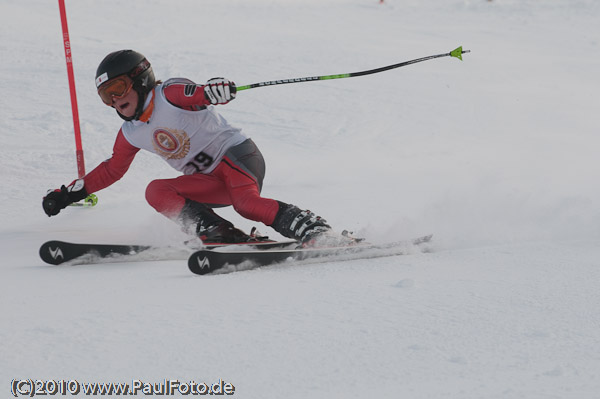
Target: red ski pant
x=228 y=184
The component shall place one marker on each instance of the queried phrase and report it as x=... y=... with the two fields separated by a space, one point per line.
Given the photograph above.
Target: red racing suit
x=220 y=165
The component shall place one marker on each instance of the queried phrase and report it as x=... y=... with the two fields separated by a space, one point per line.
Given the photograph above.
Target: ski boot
x=306 y=227
x=209 y=227
x=222 y=233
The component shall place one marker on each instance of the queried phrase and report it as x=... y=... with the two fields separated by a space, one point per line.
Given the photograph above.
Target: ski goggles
x=115 y=88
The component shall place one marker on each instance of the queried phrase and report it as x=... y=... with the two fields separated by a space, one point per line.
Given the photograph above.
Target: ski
x=57 y=252
x=234 y=258
x=262 y=245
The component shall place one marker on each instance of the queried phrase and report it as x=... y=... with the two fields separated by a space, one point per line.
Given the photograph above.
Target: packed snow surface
x=496 y=155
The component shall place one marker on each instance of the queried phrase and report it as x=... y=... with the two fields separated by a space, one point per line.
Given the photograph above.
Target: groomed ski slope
x=496 y=156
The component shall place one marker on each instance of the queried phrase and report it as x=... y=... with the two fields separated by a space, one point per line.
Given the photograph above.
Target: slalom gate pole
x=69 y=59
x=91 y=199
x=457 y=53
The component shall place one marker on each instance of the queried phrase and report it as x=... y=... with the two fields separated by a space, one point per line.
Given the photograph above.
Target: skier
x=177 y=121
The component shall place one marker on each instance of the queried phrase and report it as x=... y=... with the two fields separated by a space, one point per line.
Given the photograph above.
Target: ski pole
x=457 y=53
x=91 y=200
x=69 y=59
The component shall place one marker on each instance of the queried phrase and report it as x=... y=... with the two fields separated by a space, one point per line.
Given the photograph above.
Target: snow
x=495 y=155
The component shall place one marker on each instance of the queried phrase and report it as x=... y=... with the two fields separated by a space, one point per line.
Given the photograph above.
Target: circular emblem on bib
x=171 y=144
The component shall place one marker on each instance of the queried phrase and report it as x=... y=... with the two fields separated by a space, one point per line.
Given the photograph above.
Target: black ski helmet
x=134 y=65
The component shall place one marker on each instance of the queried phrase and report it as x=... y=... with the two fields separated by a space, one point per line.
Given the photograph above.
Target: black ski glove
x=57 y=200
x=219 y=91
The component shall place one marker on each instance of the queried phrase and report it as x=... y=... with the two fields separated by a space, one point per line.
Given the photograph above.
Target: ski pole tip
x=91 y=200
x=459 y=52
